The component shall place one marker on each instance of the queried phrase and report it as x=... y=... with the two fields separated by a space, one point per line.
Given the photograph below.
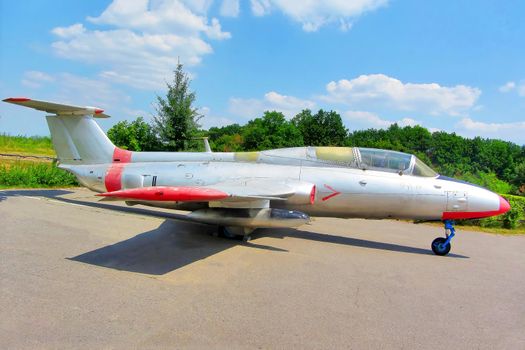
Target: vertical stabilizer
x=79 y=140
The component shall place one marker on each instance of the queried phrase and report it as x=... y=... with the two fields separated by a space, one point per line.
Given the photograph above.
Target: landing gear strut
x=441 y=245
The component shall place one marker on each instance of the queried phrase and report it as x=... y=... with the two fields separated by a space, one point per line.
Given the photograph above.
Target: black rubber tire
x=224 y=232
x=438 y=248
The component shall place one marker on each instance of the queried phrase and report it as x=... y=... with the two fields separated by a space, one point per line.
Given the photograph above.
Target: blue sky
x=447 y=65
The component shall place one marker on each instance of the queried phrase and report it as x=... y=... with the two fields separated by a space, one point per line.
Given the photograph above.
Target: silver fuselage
x=341 y=191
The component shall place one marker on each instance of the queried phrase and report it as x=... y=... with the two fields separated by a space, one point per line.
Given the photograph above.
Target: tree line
x=496 y=164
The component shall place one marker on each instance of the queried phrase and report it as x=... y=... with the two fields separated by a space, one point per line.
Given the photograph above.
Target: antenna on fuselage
x=207 y=147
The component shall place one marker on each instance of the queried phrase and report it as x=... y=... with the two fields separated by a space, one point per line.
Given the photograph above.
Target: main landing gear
x=234 y=232
x=441 y=245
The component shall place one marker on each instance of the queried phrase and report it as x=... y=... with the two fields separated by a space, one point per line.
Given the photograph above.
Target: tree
x=226 y=138
x=176 y=122
x=519 y=180
x=270 y=131
x=321 y=129
x=135 y=136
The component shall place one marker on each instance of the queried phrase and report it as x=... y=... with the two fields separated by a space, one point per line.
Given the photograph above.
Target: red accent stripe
x=163 y=193
x=504 y=207
x=113 y=179
x=98 y=110
x=121 y=155
x=312 y=195
x=17 y=99
x=335 y=193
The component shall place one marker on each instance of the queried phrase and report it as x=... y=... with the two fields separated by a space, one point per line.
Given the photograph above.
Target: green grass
x=27 y=174
x=34 y=145
x=31 y=172
x=465 y=226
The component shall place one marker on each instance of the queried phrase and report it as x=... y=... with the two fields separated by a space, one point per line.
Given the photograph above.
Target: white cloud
x=513 y=131
x=214 y=31
x=149 y=38
x=382 y=90
x=73 y=89
x=362 y=120
x=490 y=128
x=521 y=90
x=313 y=14
x=260 y=7
x=209 y=119
x=35 y=79
x=68 y=32
x=162 y=16
x=230 y=8
x=272 y=101
x=507 y=86
x=513 y=86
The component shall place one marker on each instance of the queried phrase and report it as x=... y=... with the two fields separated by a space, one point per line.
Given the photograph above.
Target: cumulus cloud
x=68 y=32
x=230 y=8
x=382 y=90
x=313 y=14
x=272 y=101
x=472 y=125
x=210 y=119
x=364 y=120
x=164 y=16
x=35 y=79
x=147 y=39
x=513 y=131
x=509 y=86
x=513 y=86
x=78 y=90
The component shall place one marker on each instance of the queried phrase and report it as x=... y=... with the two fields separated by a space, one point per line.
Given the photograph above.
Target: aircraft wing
x=221 y=194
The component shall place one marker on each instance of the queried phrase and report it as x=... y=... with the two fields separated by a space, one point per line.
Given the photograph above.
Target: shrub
x=33 y=174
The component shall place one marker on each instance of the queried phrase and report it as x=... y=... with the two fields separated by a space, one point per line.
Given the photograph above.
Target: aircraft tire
x=224 y=232
x=438 y=248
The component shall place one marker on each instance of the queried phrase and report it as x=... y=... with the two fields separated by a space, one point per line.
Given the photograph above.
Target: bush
x=514 y=217
x=32 y=174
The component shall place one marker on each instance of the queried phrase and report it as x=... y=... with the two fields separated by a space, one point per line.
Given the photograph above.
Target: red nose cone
x=504 y=206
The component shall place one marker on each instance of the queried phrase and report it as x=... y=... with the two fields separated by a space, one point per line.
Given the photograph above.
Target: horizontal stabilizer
x=169 y=194
x=56 y=108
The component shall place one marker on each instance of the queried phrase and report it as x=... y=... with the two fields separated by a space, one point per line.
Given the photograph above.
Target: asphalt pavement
x=78 y=273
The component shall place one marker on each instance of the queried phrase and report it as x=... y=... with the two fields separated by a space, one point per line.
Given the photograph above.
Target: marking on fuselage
x=335 y=193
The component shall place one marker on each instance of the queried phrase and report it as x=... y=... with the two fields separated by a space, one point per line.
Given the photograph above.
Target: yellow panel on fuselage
x=335 y=154
x=246 y=156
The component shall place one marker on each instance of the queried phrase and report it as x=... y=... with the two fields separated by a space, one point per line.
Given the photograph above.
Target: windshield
x=421 y=169
x=383 y=159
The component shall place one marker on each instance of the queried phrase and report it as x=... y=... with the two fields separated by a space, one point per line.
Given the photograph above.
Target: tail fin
x=76 y=136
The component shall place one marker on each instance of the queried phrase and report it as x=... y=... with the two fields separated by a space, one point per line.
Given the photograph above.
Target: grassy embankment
x=31 y=164
x=18 y=172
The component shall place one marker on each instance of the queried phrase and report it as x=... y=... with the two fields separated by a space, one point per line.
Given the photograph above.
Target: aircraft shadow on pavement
x=170 y=246
x=356 y=242
x=176 y=243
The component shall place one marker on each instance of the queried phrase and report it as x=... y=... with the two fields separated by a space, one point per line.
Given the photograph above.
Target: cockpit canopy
x=375 y=159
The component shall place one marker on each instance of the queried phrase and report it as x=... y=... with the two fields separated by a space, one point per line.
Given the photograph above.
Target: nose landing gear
x=441 y=245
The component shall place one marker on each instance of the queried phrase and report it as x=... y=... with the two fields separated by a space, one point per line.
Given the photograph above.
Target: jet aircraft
x=242 y=191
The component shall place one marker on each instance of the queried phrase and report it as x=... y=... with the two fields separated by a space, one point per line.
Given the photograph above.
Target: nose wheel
x=441 y=245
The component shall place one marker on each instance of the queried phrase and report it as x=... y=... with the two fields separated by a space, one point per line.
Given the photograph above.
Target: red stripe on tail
x=113 y=179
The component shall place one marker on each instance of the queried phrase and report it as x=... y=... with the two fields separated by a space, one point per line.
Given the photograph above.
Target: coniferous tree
x=176 y=122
